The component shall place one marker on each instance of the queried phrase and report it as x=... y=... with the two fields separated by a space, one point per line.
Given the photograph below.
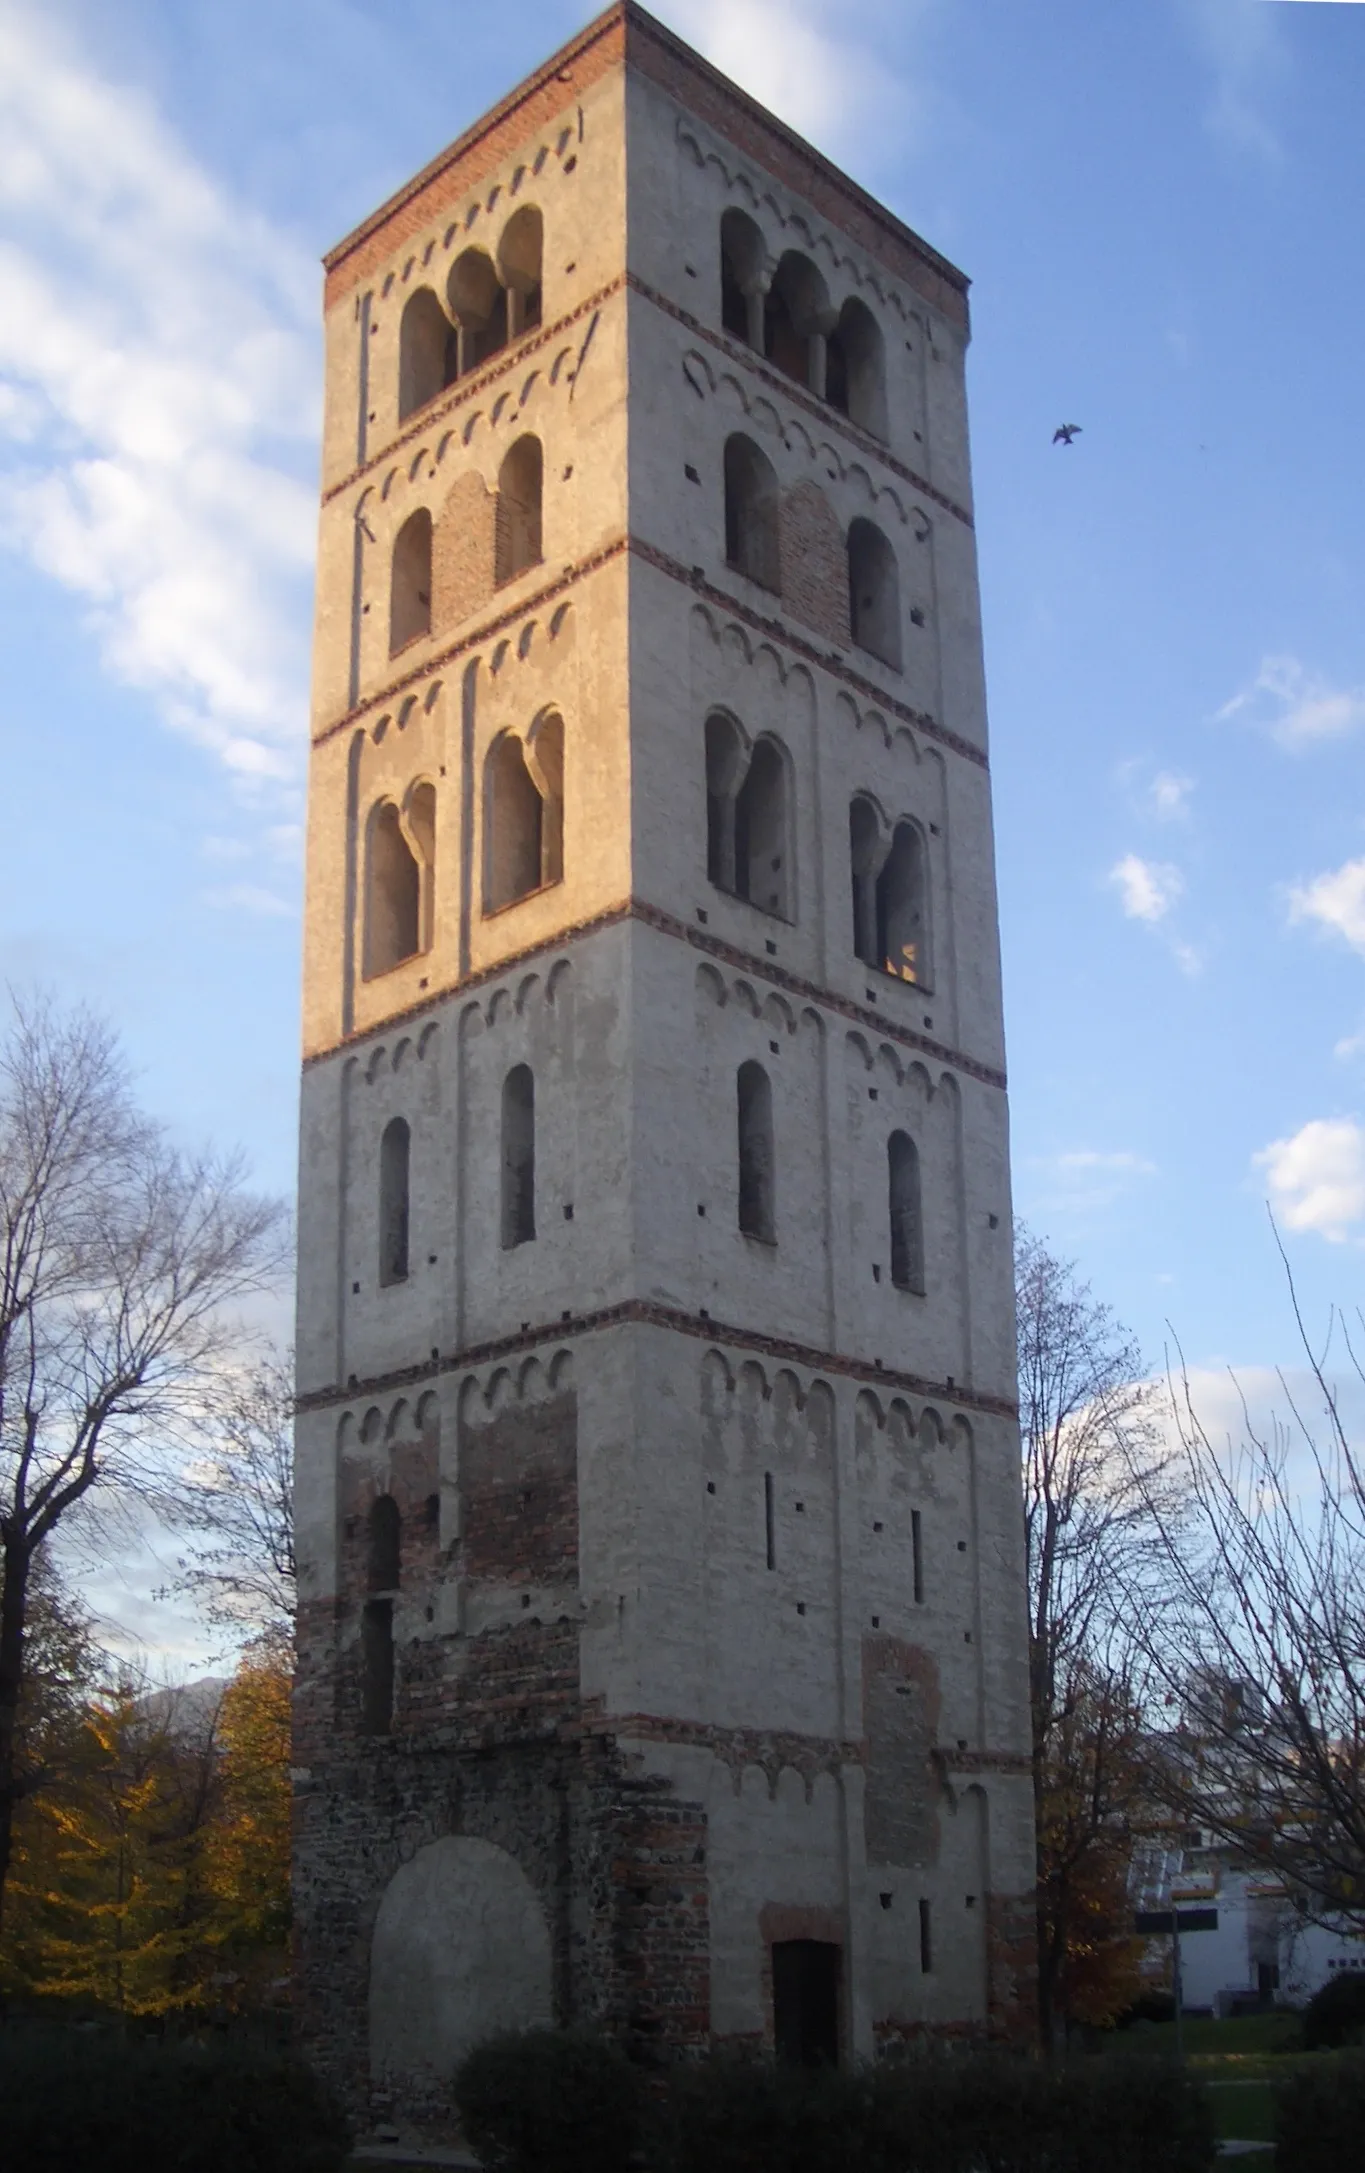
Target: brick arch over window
x=749 y=817
x=742 y=256
x=757 y=1185
x=518 y=523
x=428 y=352
x=751 y=513
x=410 y=582
x=523 y=820
x=796 y=317
x=905 y=1211
x=874 y=602
x=855 y=368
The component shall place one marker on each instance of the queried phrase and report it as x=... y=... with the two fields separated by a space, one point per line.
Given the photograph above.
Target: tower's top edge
x=625 y=34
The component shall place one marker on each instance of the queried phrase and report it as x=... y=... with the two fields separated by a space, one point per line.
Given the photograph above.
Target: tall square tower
x=662 y=1637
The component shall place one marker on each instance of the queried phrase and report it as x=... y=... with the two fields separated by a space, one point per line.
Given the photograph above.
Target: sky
x=1159 y=205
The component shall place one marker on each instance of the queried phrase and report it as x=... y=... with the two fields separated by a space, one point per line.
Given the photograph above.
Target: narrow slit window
x=741 y=270
x=902 y=921
x=376 y=1662
x=855 y=371
x=523 y=813
x=874 y=602
x=384 y=1567
x=518 y=517
x=395 y=1148
x=917 y=1555
x=393 y=893
x=751 y=540
x=907 y=1231
x=518 y=1157
x=926 y=1939
x=769 y=1521
x=761 y=831
x=410 y=582
x=756 y=1189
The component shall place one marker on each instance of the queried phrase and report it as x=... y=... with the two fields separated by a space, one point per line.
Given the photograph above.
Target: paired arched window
x=890 y=895
x=874 y=601
x=904 y=1207
x=395 y=1148
x=518 y=1157
x=757 y=1205
x=751 y=506
x=520 y=485
x=520 y=252
x=400 y=862
x=383 y=1572
x=748 y=850
x=840 y=356
x=523 y=848
x=410 y=582
x=478 y=304
x=428 y=352
x=855 y=368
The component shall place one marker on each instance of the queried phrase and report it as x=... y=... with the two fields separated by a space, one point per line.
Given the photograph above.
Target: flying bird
x=1066 y=432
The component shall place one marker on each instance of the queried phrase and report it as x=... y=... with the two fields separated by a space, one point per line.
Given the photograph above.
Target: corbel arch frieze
x=789 y=431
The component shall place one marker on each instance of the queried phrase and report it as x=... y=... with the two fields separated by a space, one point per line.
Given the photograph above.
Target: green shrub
x=75 y=2098
x=734 y=2114
x=550 y=2101
x=1335 y=2015
x=1320 y=2116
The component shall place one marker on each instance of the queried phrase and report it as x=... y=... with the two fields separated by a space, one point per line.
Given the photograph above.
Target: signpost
x=1176 y=1921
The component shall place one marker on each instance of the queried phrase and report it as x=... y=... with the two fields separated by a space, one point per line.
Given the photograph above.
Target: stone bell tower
x=661 y=1645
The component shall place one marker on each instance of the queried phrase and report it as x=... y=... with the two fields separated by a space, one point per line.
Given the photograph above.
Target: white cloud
x=1240 y=42
x=806 y=61
x=1317 y=1178
x=1147 y=888
x=157 y=403
x=1335 y=900
x=1297 y=707
x=1169 y=796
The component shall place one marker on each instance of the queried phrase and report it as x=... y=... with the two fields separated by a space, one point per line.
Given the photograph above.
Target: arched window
x=755 y=1110
x=410 y=582
x=741 y=270
x=761 y=831
x=394 y=1154
x=874 y=603
x=748 y=850
x=385 y=1565
x=866 y=851
x=518 y=1157
x=902 y=922
x=855 y=370
x=383 y=1571
x=478 y=303
x=519 y=261
x=393 y=893
x=796 y=315
x=524 y=813
x=907 y=1228
x=518 y=515
x=428 y=352
x=751 y=513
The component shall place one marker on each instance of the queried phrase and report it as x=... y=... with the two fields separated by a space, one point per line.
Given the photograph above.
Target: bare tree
x=119 y=1256
x=237 y=1496
x=1093 y=1465
x=1262 y=1642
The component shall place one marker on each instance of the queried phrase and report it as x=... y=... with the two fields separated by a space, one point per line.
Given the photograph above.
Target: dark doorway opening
x=806 y=2002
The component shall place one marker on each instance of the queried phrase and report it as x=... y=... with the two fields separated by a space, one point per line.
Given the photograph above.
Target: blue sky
x=1159 y=203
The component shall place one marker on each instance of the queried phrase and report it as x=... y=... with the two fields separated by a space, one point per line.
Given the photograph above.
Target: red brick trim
x=645 y=1313
x=738 y=1747
x=513 y=359
x=698 y=939
x=625 y=33
x=773 y=629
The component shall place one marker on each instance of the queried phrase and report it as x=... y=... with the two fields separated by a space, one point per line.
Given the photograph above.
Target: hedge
x=1320 y=2115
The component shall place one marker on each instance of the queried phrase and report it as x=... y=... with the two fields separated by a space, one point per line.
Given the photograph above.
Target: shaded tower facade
x=662 y=1638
